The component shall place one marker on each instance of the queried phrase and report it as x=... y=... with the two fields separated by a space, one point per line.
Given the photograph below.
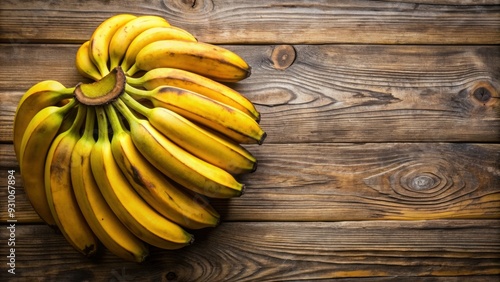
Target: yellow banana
x=176 y=163
x=154 y=187
x=131 y=209
x=202 y=143
x=218 y=116
x=196 y=83
x=35 y=145
x=126 y=34
x=39 y=96
x=59 y=191
x=205 y=59
x=84 y=64
x=152 y=35
x=101 y=219
x=100 y=39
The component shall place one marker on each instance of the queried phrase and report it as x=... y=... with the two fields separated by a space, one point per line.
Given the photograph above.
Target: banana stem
x=102 y=123
x=70 y=90
x=114 y=119
x=70 y=105
x=89 y=123
x=135 y=92
x=134 y=81
x=132 y=70
x=135 y=105
x=124 y=110
x=103 y=69
x=95 y=77
x=80 y=117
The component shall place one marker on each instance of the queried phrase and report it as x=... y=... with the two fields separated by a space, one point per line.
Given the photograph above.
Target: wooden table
x=382 y=160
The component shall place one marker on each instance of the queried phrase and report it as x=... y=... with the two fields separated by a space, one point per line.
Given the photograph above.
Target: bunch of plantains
x=131 y=159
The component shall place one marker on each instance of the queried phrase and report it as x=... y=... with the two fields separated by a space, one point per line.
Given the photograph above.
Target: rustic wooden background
x=382 y=160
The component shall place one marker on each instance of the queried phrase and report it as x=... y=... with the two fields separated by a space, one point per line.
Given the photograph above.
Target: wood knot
x=415 y=180
x=484 y=93
x=189 y=3
x=422 y=182
x=189 y=6
x=283 y=56
x=171 y=276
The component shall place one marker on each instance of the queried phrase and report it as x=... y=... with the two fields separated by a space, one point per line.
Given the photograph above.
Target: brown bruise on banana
x=102 y=92
x=138 y=178
x=247 y=70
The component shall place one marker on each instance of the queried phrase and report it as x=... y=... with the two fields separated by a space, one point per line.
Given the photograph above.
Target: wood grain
x=283 y=251
x=330 y=93
x=292 y=21
x=372 y=181
x=383 y=156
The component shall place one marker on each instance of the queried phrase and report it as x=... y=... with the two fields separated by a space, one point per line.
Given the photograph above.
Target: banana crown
x=169 y=137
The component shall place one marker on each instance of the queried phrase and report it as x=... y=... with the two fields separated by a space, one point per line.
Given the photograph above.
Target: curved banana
x=98 y=214
x=126 y=34
x=196 y=83
x=205 y=59
x=39 y=96
x=218 y=116
x=176 y=163
x=131 y=209
x=212 y=148
x=154 y=187
x=84 y=64
x=35 y=145
x=149 y=36
x=100 y=39
x=59 y=191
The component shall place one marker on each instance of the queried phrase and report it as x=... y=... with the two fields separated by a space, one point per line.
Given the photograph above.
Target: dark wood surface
x=382 y=161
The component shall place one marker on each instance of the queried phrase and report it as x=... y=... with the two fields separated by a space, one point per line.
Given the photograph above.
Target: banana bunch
x=132 y=159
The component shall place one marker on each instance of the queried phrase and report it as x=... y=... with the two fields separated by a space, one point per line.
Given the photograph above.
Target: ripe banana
x=205 y=59
x=175 y=138
x=59 y=191
x=101 y=219
x=99 y=42
x=154 y=187
x=176 y=163
x=126 y=34
x=84 y=64
x=33 y=151
x=39 y=96
x=196 y=83
x=130 y=208
x=149 y=36
x=202 y=143
x=218 y=116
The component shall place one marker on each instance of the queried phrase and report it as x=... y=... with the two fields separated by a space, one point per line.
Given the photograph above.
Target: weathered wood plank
x=281 y=251
x=316 y=182
x=293 y=21
x=332 y=182
x=331 y=93
x=359 y=179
